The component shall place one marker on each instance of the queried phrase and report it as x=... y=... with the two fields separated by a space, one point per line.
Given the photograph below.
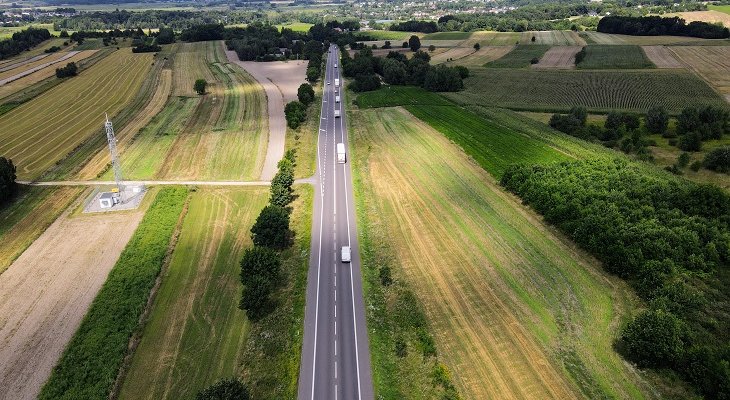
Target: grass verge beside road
x=89 y=365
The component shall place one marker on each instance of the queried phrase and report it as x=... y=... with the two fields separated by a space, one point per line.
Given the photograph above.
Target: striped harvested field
x=555 y=38
x=483 y=56
x=662 y=57
x=37 y=76
x=710 y=16
x=188 y=68
x=454 y=53
x=32 y=63
x=611 y=38
x=711 y=62
x=559 y=57
x=42 y=131
x=515 y=311
x=489 y=38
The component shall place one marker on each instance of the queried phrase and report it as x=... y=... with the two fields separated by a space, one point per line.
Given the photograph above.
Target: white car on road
x=345 y=254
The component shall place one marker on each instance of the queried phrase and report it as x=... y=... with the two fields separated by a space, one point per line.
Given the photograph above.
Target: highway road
x=335 y=353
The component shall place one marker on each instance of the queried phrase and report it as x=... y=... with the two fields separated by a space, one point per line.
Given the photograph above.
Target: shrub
x=365 y=83
x=414 y=43
x=8 y=187
x=69 y=70
x=146 y=48
x=272 y=228
x=657 y=120
x=224 y=389
x=690 y=142
x=295 y=113
x=718 y=160
x=462 y=70
x=443 y=79
x=654 y=339
x=165 y=36
x=260 y=275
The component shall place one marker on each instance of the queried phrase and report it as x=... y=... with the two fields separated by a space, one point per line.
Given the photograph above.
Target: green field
x=297 y=26
x=614 y=57
x=391 y=96
x=725 y=9
x=447 y=36
x=520 y=57
x=44 y=130
x=518 y=313
x=26 y=217
x=599 y=91
x=389 y=35
x=202 y=335
x=90 y=363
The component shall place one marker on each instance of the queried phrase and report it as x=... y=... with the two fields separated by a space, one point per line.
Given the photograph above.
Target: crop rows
x=710 y=62
x=42 y=131
x=554 y=38
x=600 y=56
x=600 y=91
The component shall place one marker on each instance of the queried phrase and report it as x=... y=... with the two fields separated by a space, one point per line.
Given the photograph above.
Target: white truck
x=341 y=156
x=335 y=65
x=345 y=254
x=337 y=82
x=337 y=113
x=337 y=99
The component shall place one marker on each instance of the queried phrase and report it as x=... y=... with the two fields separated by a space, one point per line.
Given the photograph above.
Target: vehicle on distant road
x=341 y=156
x=335 y=65
x=337 y=99
x=345 y=254
x=337 y=113
x=328 y=82
x=337 y=82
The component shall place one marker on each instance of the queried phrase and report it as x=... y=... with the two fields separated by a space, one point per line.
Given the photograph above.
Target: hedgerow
x=90 y=363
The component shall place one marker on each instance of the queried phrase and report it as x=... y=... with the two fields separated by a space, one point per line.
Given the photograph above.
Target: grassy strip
x=304 y=139
x=391 y=96
x=598 y=91
x=520 y=57
x=494 y=147
x=606 y=56
x=273 y=353
x=89 y=365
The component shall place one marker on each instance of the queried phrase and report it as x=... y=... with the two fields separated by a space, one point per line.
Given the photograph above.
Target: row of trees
x=695 y=125
x=669 y=238
x=397 y=69
x=22 y=41
x=261 y=272
x=415 y=26
x=655 y=26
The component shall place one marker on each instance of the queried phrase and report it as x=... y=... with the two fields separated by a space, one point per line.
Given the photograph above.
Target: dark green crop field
x=607 y=56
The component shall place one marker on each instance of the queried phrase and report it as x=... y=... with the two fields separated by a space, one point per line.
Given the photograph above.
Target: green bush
x=718 y=160
x=260 y=275
x=8 y=187
x=295 y=113
x=224 y=389
x=654 y=339
x=305 y=94
x=272 y=228
x=90 y=363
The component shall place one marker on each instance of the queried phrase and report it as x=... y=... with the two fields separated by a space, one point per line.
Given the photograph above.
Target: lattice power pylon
x=112 y=140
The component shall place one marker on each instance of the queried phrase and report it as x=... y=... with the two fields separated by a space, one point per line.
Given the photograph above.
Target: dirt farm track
x=46 y=292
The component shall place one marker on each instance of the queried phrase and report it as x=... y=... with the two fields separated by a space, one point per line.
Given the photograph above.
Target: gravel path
x=280 y=80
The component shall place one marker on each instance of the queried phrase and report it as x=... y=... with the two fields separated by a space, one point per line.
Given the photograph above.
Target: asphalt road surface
x=335 y=353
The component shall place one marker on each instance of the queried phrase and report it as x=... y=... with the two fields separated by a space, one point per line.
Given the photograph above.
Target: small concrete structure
x=112 y=200
x=107 y=200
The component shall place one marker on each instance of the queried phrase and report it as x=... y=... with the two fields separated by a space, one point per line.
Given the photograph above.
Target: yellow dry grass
x=712 y=63
x=559 y=57
x=703 y=16
x=42 y=131
x=662 y=57
x=45 y=73
x=21 y=68
x=511 y=305
x=189 y=66
x=129 y=131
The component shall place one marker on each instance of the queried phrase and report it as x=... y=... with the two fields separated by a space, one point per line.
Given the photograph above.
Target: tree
x=654 y=339
x=281 y=185
x=8 y=187
x=295 y=113
x=657 y=120
x=414 y=43
x=305 y=93
x=394 y=72
x=477 y=46
x=386 y=45
x=431 y=48
x=199 y=86
x=404 y=45
x=313 y=74
x=462 y=70
x=690 y=142
x=260 y=275
x=224 y=389
x=165 y=36
x=365 y=83
x=272 y=228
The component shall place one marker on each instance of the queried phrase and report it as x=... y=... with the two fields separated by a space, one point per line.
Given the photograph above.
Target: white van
x=345 y=254
x=337 y=113
x=337 y=99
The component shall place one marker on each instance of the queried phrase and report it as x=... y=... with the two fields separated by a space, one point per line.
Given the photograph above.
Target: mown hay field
x=516 y=312
x=45 y=73
x=25 y=219
x=447 y=36
x=21 y=67
x=601 y=91
x=600 y=56
x=559 y=57
x=553 y=38
x=42 y=131
x=471 y=58
x=710 y=62
x=520 y=57
x=191 y=341
x=662 y=57
x=219 y=135
x=489 y=38
x=610 y=38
